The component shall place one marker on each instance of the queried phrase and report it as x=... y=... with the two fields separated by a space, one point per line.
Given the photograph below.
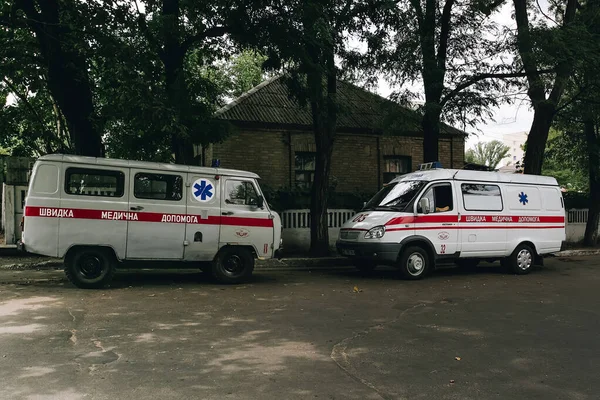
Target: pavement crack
x=340 y=356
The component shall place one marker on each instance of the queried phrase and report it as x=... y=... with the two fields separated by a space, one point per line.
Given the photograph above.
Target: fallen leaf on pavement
x=451 y=381
x=357 y=290
x=457 y=358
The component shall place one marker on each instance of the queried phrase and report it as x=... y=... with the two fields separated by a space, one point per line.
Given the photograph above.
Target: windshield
x=395 y=196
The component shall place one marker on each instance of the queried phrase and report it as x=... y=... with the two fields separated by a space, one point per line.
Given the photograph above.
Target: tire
x=365 y=266
x=90 y=268
x=414 y=263
x=467 y=263
x=521 y=260
x=233 y=265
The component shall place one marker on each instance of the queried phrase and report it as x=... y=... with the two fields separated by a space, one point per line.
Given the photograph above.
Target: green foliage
x=565 y=159
x=487 y=153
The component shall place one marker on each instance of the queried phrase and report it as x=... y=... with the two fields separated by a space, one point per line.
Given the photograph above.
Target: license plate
x=347 y=252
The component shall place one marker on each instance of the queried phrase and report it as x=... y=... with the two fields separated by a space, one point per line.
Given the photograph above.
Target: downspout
x=290 y=158
x=451 y=152
x=378 y=164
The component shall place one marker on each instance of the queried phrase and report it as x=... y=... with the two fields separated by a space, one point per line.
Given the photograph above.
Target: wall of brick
x=354 y=159
x=264 y=152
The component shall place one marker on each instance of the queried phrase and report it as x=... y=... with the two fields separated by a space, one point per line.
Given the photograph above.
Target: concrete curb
x=579 y=252
x=41 y=265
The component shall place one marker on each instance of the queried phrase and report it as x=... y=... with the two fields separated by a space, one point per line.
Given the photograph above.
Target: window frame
x=432 y=187
x=247 y=182
x=135 y=195
x=481 y=184
x=310 y=172
x=395 y=157
x=120 y=175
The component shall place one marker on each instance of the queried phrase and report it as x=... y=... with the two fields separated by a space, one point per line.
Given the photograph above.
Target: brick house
x=376 y=139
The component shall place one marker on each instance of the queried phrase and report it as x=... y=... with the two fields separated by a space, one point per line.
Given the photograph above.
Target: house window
x=305 y=169
x=394 y=166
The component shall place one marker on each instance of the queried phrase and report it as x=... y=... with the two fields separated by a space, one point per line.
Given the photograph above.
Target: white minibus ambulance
x=440 y=215
x=100 y=213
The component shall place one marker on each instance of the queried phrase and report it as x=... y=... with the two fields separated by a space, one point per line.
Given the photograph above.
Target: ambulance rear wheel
x=521 y=260
x=233 y=265
x=414 y=263
x=89 y=268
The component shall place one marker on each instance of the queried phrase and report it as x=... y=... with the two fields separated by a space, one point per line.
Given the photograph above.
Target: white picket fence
x=296 y=228
x=576 y=222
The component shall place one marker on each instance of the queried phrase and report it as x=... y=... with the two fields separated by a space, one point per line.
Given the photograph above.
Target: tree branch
x=564 y=68
x=141 y=19
x=215 y=31
x=444 y=33
x=480 y=77
x=28 y=105
x=417 y=6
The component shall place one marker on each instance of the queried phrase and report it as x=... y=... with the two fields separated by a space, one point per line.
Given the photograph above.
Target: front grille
x=349 y=235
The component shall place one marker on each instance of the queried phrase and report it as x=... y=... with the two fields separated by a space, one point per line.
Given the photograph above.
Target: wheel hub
x=415 y=264
x=524 y=259
x=91 y=267
x=234 y=264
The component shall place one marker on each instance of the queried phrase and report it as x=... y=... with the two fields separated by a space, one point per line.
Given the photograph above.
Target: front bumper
x=386 y=253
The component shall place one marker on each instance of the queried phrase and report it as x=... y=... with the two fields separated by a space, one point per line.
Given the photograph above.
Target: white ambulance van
x=100 y=213
x=445 y=215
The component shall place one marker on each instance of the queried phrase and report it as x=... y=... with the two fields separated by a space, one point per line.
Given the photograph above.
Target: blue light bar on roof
x=431 y=165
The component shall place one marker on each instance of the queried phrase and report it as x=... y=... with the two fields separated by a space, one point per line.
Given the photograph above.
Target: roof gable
x=359 y=111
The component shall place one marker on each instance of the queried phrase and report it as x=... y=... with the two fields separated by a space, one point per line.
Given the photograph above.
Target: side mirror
x=424 y=204
x=260 y=202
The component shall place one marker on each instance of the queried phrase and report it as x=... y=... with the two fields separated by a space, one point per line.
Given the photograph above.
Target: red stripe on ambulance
x=427 y=219
x=112 y=215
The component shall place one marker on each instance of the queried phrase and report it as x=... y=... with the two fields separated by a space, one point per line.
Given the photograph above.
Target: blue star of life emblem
x=203 y=190
x=523 y=198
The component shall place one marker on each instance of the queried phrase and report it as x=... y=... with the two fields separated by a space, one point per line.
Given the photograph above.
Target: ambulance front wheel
x=414 y=263
x=233 y=265
x=90 y=268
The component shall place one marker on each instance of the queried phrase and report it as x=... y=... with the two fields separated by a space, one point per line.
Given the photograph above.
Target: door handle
x=447 y=224
x=227 y=213
x=137 y=208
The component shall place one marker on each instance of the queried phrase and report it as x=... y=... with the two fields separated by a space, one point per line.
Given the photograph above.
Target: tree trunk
x=324 y=111
x=173 y=56
x=593 y=149
x=538 y=136
x=431 y=133
x=68 y=79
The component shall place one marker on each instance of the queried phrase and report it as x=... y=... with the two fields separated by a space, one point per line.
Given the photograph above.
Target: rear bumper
x=386 y=253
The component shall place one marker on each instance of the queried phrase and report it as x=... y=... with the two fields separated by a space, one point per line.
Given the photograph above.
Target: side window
x=479 y=197
x=241 y=193
x=94 y=182
x=158 y=187
x=440 y=198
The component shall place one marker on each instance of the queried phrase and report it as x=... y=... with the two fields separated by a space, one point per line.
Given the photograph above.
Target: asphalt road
x=304 y=334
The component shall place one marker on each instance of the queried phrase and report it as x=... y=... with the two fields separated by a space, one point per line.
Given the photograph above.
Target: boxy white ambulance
x=436 y=215
x=98 y=213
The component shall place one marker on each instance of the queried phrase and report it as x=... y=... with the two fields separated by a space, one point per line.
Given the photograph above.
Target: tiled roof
x=359 y=110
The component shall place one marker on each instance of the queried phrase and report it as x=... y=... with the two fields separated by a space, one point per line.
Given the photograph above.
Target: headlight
x=375 y=233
